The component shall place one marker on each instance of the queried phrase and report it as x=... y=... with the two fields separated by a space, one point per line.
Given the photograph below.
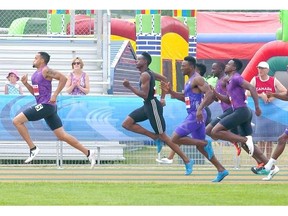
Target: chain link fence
x=48 y=22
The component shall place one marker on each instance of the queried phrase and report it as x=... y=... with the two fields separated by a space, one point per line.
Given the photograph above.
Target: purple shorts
x=191 y=126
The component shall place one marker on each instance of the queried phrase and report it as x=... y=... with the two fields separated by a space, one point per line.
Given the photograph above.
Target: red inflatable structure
x=268 y=50
x=123 y=28
x=84 y=25
x=170 y=24
x=225 y=35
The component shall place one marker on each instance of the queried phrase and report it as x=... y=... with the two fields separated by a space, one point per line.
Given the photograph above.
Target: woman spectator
x=78 y=80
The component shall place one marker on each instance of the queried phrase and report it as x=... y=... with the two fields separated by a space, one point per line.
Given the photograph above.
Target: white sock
x=270 y=163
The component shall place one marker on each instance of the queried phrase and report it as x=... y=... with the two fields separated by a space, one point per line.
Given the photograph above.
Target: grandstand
x=19 y=54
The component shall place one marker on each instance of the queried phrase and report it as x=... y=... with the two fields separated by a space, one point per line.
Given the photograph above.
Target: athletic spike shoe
x=92 y=158
x=260 y=169
x=164 y=161
x=220 y=176
x=271 y=174
x=33 y=154
x=189 y=167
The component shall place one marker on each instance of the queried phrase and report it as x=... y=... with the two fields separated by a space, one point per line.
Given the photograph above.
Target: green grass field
x=141 y=194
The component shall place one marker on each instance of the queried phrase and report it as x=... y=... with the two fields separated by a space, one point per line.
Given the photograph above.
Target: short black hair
x=238 y=64
x=221 y=65
x=45 y=56
x=191 y=60
x=202 y=68
x=147 y=56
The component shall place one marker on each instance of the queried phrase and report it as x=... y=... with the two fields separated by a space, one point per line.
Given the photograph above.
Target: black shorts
x=241 y=119
x=46 y=111
x=224 y=114
x=152 y=110
x=218 y=118
x=209 y=115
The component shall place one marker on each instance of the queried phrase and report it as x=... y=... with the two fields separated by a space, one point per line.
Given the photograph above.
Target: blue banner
x=92 y=118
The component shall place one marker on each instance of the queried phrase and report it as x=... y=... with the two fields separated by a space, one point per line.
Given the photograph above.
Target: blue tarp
x=100 y=117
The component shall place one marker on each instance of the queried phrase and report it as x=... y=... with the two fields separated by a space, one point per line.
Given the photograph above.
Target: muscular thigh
x=39 y=111
x=53 y=121
x=245 y=129
x=191 y=126
x=223 y=115
x=46 y=112
x=239 y=117
x=154 y=112
x=138 y=115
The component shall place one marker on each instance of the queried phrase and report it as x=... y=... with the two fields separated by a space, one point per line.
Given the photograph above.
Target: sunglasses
x=74 y=63
x=261 y=68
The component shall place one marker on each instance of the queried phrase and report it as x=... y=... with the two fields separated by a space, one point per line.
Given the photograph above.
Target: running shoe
x=259 y=169
x=208 y=148
x=189 y=167
x=33 y=154
x=271 y=174
x=250 y=145
x=220 y=176
x=92 y=158
x=164 y=161
x=238 y=148
x=159 y=145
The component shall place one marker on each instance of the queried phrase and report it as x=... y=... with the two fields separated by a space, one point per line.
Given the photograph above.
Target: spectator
x=12 y=87
x=263 y=84
x=78 y=81
x=213 y=78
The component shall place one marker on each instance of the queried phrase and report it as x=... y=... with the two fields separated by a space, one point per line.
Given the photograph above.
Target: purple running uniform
x=44 y=87
x=190 y=124
x=242 y=115
x=236 y=92
x=221 y=89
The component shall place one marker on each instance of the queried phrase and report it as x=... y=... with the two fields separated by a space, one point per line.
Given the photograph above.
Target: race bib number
x=39 y=107
x=187 y=102
x=35 y=90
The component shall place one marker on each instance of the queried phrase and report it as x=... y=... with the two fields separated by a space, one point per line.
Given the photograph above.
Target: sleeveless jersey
x=76 y=90
x=151 y=92
x=192 y=100
x=265 y=86
x=44 y=86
